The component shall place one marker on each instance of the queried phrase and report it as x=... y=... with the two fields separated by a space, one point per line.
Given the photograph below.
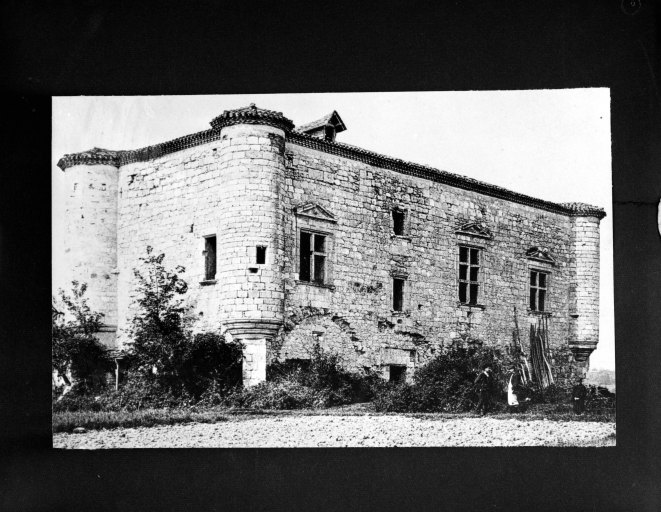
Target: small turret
x=250 y=242
x=584 y=280
x=90 y=239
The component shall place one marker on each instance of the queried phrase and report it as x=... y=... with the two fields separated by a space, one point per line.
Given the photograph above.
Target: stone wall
x=366 y=255
x=170 y=203
x=229 y=189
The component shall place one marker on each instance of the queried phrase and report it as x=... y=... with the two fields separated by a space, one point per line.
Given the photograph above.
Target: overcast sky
x=551 y=144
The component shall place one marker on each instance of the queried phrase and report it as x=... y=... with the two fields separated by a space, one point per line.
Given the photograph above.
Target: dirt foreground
x=364 y=430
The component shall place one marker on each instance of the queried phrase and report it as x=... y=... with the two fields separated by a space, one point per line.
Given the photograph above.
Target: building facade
x=291 y=239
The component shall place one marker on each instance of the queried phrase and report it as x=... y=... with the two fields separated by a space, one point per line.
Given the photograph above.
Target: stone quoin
x=291 y=239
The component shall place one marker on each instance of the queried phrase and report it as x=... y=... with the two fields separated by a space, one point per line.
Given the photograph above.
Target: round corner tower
x=250 y=240
x=584 y=285
x=90 y=238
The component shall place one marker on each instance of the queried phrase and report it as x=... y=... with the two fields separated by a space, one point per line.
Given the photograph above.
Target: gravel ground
x=363 y=430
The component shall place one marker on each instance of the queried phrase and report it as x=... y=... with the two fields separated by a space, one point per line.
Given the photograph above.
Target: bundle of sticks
x=539 y=353
x=522 y=363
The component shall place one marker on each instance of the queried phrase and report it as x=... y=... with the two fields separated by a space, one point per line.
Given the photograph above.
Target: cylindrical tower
x=250 y=240
x=90 y=237
x=584 y=284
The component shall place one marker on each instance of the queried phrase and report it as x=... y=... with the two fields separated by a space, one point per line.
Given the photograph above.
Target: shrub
x=163 y=347
x=210 y=361
x=445 y=384
x=75 y=348
x=318 y=382
x=159 y=332
x=393 y=397
x=138 y=392
x=285 y=393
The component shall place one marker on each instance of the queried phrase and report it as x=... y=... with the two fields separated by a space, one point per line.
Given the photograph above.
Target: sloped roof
x=333 y=119
x=252 y=115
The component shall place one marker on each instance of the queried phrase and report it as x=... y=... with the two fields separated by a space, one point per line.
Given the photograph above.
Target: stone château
x=290 y=238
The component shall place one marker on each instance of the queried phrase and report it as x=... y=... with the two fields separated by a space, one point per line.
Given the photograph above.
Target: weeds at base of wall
x=320 y=383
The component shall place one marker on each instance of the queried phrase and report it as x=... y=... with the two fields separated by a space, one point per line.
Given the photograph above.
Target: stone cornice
x=98 y=156
x=94 y=156
x=584 y=210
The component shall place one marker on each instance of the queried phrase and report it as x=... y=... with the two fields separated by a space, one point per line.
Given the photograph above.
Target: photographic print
x=413 y=269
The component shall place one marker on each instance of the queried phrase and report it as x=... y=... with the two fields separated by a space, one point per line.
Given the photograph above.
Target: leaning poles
x=538 y=352
x=523 y=365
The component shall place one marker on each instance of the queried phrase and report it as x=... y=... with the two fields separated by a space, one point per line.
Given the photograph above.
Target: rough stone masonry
x=291 y=239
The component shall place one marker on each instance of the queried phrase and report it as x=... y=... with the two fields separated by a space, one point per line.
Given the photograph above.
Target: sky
x=550 y=144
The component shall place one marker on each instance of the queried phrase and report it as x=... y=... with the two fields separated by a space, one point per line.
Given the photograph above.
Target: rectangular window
x=261 y=255
x=398 y=218
x=398 y=294
x=538 y=288
x=469 y=271
x=210 y=258
x=312 y=257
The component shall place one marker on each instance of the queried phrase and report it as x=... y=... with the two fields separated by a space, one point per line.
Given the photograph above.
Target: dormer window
x=325 y=128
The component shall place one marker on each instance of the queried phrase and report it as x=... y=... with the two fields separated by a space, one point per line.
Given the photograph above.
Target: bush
x=163 y=347
x=554 y=394
x=445 y=384
x=286 y=393
x=318 y=382
x=394 y=397
x=75 y=348
x=139 y=392
x=210 y=362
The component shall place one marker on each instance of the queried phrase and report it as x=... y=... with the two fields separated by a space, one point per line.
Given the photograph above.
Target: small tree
x=75 y=348
x=162 y=338
x=159 y=329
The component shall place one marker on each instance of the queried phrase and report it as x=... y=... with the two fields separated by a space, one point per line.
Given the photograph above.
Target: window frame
x=478 y=282
x=313 y=254
x=537 y=289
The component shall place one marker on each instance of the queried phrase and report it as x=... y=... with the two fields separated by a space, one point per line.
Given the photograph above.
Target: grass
x=67 y=421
